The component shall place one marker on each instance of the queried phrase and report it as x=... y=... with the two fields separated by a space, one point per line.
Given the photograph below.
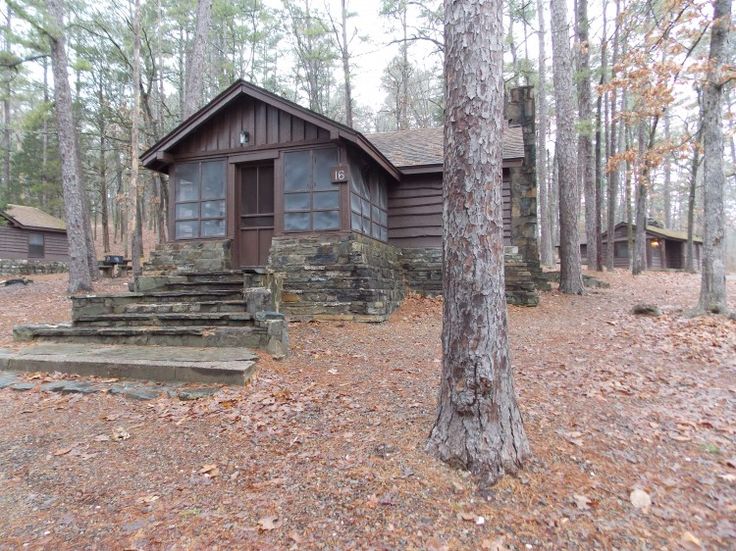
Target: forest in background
x=638 y=67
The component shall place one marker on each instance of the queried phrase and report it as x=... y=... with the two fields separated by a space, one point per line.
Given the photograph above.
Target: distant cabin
x=666 y=249
x=28 y=233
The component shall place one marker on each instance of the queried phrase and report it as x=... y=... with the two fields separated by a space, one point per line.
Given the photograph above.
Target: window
x=199 y=209
x=311 y=200
x=368 y=202
x=35 y=245
x=621 y=249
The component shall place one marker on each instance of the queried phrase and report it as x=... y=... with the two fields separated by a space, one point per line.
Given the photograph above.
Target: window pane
x=356 y=180
x=213 y=209
x=384 y=234
x=327 y=200
x=213 y=180
x=324 y=161
x=356 y=222
x=297 y=221
x=187 y=210
x=213 y=228
x=376 y=231
x=366 y=208
x=187 y=182
x=327 y=220
x=366 y=226
x=187 y=230
x=376 y=214
x=265 y=189
x=296 y=171
x=383 y=195
x=354 y=202
x=297 y=201
x=35 y=239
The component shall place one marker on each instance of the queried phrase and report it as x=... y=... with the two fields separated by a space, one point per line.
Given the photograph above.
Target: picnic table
x=114 y=266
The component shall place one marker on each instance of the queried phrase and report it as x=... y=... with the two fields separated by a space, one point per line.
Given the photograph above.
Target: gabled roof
x=32 y=218
x=425 y=146
x=660 y=232
x=156 y=155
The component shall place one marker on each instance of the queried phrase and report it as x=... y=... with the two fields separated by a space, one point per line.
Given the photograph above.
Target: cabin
x=31 y=241
x=666 y=249
x=345 y=222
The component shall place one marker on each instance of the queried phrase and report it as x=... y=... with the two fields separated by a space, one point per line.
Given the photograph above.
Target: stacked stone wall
x=191 y=256
x=11 y=266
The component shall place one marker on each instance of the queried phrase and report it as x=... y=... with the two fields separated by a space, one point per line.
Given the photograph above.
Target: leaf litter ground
x=631 y=421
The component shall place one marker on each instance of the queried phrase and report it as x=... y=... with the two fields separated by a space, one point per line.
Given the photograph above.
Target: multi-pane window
x=368 y=198
x=199 y=209
x=311 y=200
x=35 y=245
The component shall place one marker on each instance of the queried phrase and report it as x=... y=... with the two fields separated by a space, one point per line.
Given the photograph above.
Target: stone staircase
x=212 y=309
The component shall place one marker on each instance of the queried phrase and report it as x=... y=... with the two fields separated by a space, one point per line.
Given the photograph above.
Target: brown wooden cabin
x=256 y=172
x=666 y=249
x=28 y=233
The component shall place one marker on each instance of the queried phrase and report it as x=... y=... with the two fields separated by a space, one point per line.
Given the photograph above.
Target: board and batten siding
x=415 y=212
x=14 y=244
x=266 y=125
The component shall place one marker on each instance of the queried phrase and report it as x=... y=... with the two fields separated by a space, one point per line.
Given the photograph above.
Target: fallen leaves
x=119 y=434
x=640 y=500
x=269 y=523
x=210 y=471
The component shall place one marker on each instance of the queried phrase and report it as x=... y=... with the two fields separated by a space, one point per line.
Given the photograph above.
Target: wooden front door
x=256 y=213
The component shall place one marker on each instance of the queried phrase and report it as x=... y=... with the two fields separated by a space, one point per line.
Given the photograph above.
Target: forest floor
x=632 y=424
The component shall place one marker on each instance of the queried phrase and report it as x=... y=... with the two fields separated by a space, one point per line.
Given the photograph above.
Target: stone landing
x=230 y=366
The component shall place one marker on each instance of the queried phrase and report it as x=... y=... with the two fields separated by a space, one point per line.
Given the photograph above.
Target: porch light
x=244 y=137
x=655 y=243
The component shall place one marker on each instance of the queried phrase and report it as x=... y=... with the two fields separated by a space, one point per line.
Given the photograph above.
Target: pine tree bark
x=478 y=425
x=694 y=164
x=571 y=279
x=639 y=260
x=585 y=143
x=345 y=54
x=136 y=186
x=7 y=114
x=101 y=127
x=613 y=180
x=194 y=87
x=713 y=297
x=545 y=231
x=80 y=278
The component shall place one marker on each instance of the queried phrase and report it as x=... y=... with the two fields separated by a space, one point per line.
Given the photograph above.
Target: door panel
x=256 y=213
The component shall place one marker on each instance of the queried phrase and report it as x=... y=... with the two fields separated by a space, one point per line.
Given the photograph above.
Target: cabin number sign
x=339 y=174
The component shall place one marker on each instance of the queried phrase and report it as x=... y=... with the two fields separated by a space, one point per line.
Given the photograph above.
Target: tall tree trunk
x=599 y=149
x=136 y=186
x=690 y=250
x=639 y=261
x=103 y=169
x=629 y=191
x=80 y=277
x=478 y=425
x=195 y=64
x=7 y=121
x=571 y=279
x=613 y=174
x=585 y=144
x=713 y=281
x=346 y=66
x=667 y=166
x=545 y=230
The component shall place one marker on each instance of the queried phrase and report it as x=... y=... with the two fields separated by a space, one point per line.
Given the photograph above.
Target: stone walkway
x=232 y=366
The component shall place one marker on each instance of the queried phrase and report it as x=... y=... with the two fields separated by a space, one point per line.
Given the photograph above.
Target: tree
x=136 y=186
x=585 y=144
x=614 y=168
x=80 y=270
x=713 y=280
x=196 y=61
x=340 y=32
x=478 y=425
x=545 y=231
x=571 y=279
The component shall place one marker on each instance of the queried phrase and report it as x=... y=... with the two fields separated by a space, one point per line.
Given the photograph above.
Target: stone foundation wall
x=31 y=267
x=423 y=274
x=337 y=277
x=212 y=255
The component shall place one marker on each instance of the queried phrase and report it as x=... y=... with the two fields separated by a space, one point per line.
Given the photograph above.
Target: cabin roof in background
x=425 y=146
x=31 y=217
x=655 y=230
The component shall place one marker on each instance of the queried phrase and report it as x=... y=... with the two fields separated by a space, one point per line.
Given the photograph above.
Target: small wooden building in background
x=28 y=233
x=666 y=249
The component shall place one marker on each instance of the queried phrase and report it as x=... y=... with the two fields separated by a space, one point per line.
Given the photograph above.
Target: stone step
x=195 y=336
x=230 y=366
x=204 y=285
x=185 y=307
x=92 y=305
x=179 y=319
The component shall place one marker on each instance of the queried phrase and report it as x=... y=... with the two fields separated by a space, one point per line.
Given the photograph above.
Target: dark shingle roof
x=33 y=217
x=424 y=146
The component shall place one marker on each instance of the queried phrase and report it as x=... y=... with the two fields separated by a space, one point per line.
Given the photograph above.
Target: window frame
x=311 y=190
x=42 y=245
x=371 y=179
x=199 y=219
